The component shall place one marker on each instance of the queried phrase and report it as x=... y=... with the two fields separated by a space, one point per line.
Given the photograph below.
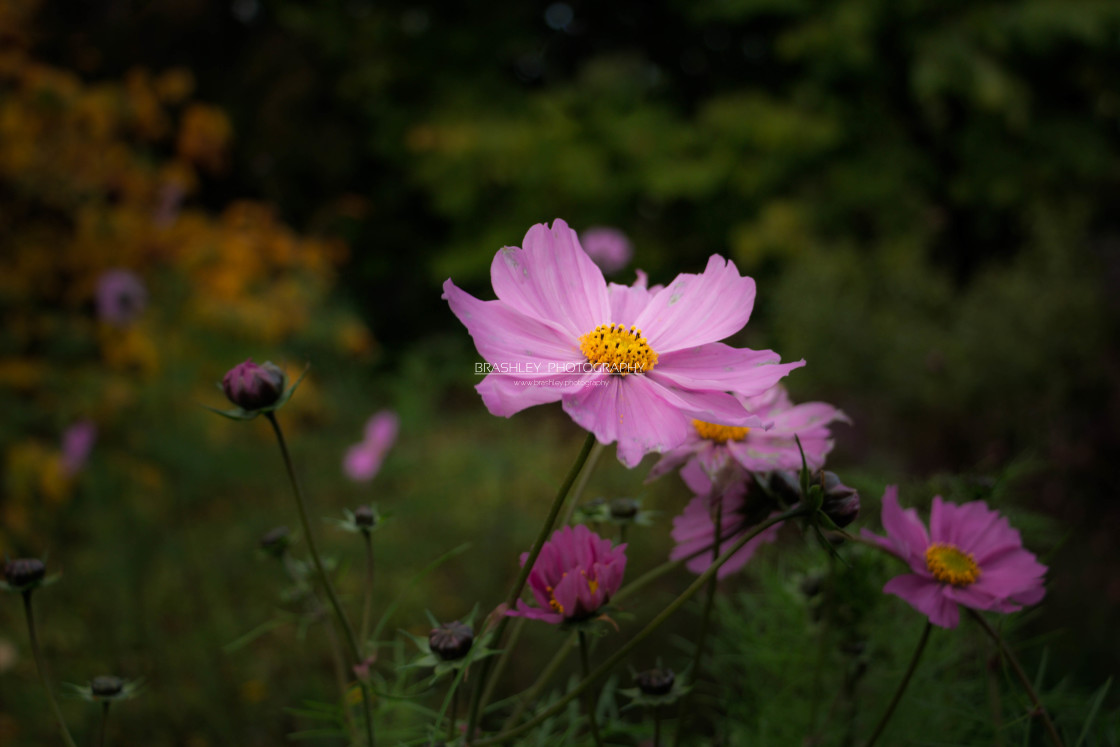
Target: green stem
x=478 y=703
x=367 y=601
x=530 y=696
x=644 y=633
x=41 y=665
x=901 y=685
x=324 y=579
x=1051 y=731
x=104 y=720
x=584 y=477
x=682 y=709
x=454 y=713
x=589 y=697
x=503 y=659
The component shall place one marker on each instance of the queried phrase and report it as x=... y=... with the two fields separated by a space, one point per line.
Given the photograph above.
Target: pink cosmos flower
x=631 y=364
x=77 y=443
x=576 y=573
x=363 y=459
x=608 y=247
x=760 y=449
x=121 y=297
x=970 y=556
x=694 y=530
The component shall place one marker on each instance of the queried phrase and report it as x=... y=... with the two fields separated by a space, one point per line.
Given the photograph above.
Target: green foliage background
x=925 y=192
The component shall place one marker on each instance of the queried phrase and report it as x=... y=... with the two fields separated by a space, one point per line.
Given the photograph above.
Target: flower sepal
x=655 y=688
x=362 y=520
x=455 y=647
x=24 y=575
x=106 y=688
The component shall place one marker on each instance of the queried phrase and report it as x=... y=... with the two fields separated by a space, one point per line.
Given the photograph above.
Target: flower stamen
x=950 y=565
x=721 y=434
x=618 y=349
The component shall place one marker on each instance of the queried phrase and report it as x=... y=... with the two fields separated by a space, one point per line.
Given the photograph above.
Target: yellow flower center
x=951 y=566
x=618 y=349
x=556 y=606
x=721 y=434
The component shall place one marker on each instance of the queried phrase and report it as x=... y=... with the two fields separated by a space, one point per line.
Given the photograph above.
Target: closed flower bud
x=451 y=641
x=252 y=387
x=786 y=486
x=655 y=681
x=624 y=508
x=276 y=541
x=841 y=503
x=364 y=517
x=106 y=686
x=24 y=573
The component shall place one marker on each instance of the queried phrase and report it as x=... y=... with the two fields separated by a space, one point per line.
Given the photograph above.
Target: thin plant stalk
x=41 y=666
x=623 y=651
x=503 y=659
x=454 y=714
x=584 y=478
x=705 y=621
x=104 y=721
x=367 y=594
x=656 y=726
x=324 y=579
x=478 y=703
x=589 y=696
x=1051 y=731
x=901 y=685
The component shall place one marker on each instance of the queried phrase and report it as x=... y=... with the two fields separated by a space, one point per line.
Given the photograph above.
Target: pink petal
x=553 y=280
x=362 y=462
x=507 y=395
x=717 y=366
x=905 y=529
x=628 y=301
x=925 y=595
x=632 y=411
x=698 y=309
x=381 y=429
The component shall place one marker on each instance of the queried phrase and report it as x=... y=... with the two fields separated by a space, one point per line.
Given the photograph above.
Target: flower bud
x=655 y=681
x=841 y=503
x=451 y=641
x=252 y=387
x=24 y=573
x=276 y=541
x=106 y=686
x=624 y=508
x=364 y=517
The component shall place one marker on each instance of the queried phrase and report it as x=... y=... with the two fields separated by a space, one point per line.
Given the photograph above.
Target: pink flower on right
x=971 y=555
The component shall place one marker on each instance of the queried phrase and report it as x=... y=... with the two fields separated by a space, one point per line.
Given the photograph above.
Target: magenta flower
x=363 y=460
x=629 y=363
x=576 y=573
x=970 y=556
x=760 y=449
x=121 y=297
x=608 y=247
x=694 y=530
x=77 y=443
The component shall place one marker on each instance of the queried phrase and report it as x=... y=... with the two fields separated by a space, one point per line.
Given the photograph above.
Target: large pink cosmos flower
x=630 y=364
x=363 y=460
x=576 y=573
x=760 y=449
x=970 y=556
x=694 y=530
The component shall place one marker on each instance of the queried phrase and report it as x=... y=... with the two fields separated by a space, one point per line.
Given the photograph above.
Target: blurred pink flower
x=363 y=460
x=608 y=247
x=694 y=530
x=630 y=364
x=77 y=443
x=760 y=449
x=970 y=556
x=121 y=297
x=576 y=573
